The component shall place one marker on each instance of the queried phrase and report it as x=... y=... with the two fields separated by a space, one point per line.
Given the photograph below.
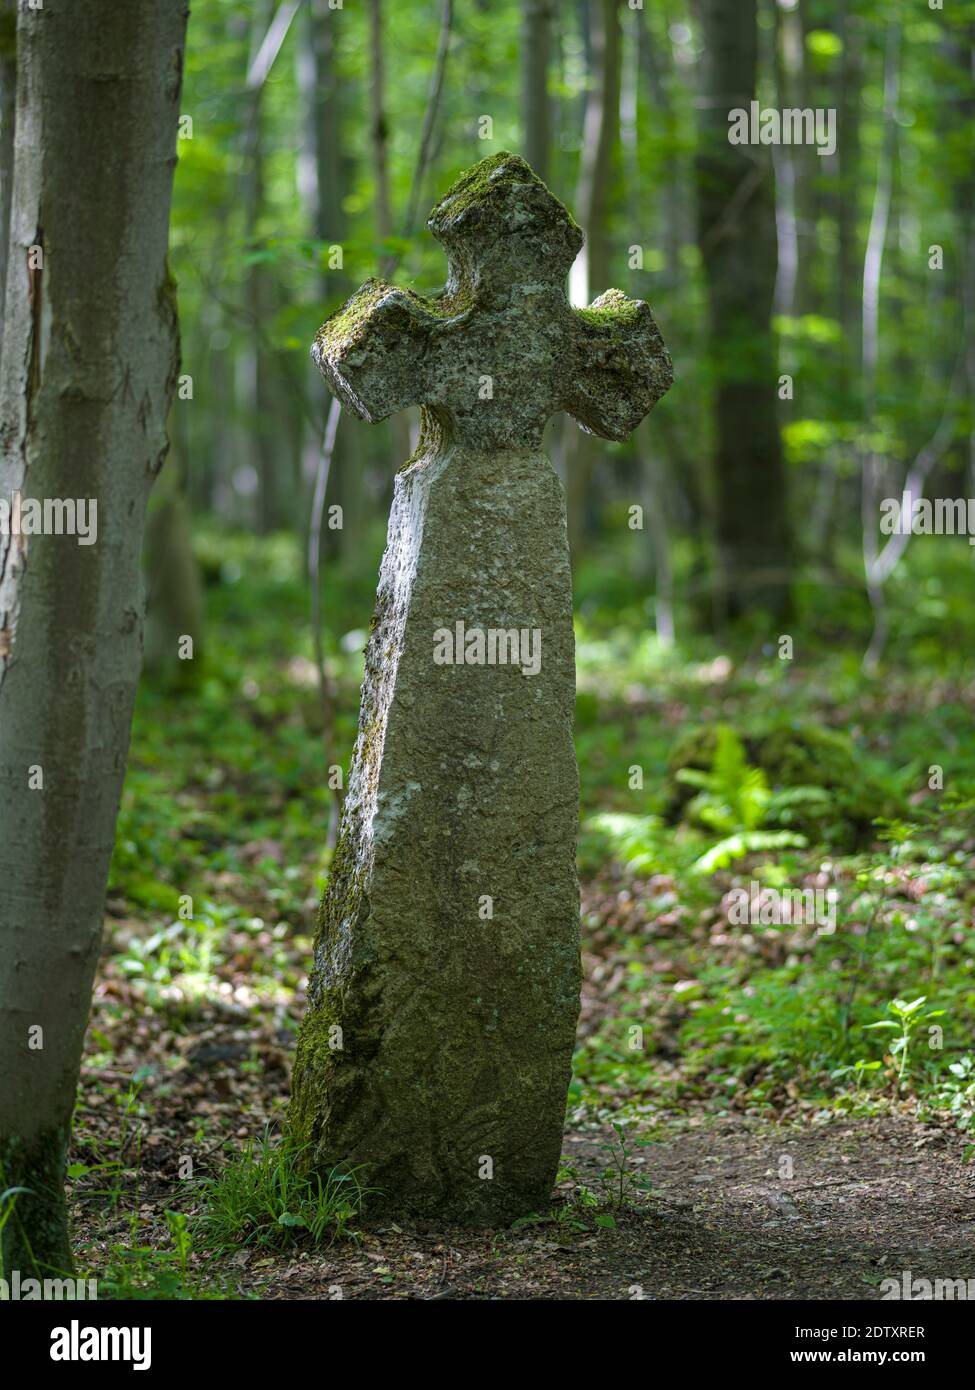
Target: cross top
x=499 y=350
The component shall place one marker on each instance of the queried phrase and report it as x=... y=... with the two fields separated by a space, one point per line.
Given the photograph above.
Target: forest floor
x=728 y=1205
x=869 y=1198
x=792 y=1109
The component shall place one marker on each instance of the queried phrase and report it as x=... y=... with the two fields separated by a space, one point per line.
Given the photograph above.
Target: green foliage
x=734 y=799
x=146 y=1272
x=907 y=1018
x=267 y=1196
x=732 y=796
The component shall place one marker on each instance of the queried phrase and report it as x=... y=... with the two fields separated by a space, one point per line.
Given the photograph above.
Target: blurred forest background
x=771 y=691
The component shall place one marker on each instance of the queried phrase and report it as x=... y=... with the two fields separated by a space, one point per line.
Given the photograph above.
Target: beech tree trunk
x=88 y=370
x=736 y=233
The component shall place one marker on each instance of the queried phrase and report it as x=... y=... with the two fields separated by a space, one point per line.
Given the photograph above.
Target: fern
x=734 y=799
x=734 y=847
x=733 y=796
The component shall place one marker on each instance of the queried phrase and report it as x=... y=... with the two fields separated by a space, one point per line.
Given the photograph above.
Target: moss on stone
x=476 y=185
x=348 y=327
x=488 y=184
x=612 y=312
x=808 y=755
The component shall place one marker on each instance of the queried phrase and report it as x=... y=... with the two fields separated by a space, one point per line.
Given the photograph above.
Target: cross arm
x=621 y=365
x=372 y=352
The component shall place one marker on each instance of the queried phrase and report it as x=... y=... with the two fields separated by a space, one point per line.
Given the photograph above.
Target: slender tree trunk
x=265 y=375
x=535 y=105
x=8 y=106
x=961 y=48
x=736 y=232
x=321 y=156
x=89 y=364
x=324 y=183
x=655 y=74
x=275 y=460
x=399 y=425
x=590 y=274
x=379 y=127
x=788 y=163
x=849 y=102
x=640 y=62
x=175 y=603
x=871 y=462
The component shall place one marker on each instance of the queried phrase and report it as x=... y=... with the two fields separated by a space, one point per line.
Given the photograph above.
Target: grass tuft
x=266 y=1197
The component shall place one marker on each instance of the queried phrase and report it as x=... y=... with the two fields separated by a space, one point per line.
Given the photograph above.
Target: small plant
x=957 y=1095
x=140 y=1271
x=619 y=1183
x=735 y=801
x=179 y=1234
x=266 y=1197
x=906 y=1019
x=858 y=1071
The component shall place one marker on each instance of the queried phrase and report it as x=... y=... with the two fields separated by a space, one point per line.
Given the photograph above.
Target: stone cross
x=437 y=1044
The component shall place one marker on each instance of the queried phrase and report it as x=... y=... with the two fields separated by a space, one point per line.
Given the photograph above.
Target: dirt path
x=868 y=1199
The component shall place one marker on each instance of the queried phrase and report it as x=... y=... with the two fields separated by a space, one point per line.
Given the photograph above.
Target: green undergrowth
x=707 y=767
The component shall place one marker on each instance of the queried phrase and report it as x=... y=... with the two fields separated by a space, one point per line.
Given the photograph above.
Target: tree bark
x=8 y=103
x=176 y=605
x=535 y=108
x=380 y=129
x=88 y=369
x=262 y=374
x=590 y=275
x=736 y=234
x=325 y=183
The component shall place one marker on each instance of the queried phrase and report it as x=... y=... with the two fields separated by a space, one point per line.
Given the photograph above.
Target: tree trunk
x=326 y=182
x=590 y=274
x=263 y=378
x=399 y=425
x=535 y=111
x=736 y=233
x=849 y=103
x=89 y=364
x=379 y=128
x=175 y=607
x=8 y=104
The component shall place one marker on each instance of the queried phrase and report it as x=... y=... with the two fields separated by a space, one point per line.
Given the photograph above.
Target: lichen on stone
x=457 y=1031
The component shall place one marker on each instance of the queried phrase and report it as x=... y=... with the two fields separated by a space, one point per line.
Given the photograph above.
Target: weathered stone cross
x=437 y=1045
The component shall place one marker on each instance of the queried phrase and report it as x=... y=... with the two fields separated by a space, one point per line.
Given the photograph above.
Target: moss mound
x=795 y=754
